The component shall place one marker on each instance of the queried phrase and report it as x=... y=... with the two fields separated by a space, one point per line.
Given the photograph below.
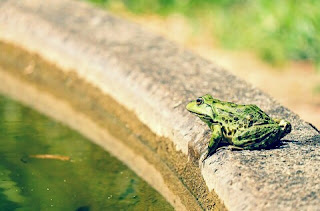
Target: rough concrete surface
x=155 y=79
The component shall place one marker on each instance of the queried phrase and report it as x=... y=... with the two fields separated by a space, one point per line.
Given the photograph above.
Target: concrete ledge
x=155 y=79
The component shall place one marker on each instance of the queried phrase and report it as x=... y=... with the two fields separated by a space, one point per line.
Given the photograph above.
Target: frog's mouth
x=203 y=116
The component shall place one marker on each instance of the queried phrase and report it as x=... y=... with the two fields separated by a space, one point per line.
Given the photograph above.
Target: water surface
x=44 y=165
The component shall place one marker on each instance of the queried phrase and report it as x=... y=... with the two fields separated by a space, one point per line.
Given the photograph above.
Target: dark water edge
x=81 y=175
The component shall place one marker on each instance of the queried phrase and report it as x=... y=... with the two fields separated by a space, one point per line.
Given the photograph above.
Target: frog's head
x=202 y=107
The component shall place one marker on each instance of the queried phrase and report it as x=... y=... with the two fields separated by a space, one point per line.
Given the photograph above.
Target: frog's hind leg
x=257 y=137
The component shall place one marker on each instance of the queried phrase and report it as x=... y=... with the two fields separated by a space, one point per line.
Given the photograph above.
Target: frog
x=237 y=126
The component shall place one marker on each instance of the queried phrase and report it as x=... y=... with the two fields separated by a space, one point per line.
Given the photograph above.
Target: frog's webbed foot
x=208 y=153
x=285 y=126
x=204 y=156
x=230 y=147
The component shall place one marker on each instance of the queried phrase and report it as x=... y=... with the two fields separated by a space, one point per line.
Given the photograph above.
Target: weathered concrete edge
x=152 y=112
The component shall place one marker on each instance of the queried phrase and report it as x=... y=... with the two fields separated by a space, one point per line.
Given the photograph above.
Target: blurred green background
x=276 y=31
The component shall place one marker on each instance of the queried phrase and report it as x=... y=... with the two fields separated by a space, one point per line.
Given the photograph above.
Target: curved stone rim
x=155 y=79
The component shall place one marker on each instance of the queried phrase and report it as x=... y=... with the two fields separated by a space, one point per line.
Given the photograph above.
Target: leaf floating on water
x=54 y=157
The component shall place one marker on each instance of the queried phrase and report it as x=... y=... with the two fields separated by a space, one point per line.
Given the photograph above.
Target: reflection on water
x=46 y=166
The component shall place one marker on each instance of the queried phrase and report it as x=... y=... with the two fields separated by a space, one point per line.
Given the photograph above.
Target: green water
x=91 y=180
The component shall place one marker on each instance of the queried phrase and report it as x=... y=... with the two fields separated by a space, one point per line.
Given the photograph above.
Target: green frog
x=239 y=126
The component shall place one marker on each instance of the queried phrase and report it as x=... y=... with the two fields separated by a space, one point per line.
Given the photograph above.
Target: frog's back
x=241 y=116
x=256 y=114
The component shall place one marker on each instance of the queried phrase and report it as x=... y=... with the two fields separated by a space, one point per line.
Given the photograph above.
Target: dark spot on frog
x=241 y=125
x=236 y=118
x=260 y=114
x=250 y=123
x=223 y=118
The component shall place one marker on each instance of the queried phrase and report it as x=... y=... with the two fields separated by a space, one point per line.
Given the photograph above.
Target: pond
x=45 y=165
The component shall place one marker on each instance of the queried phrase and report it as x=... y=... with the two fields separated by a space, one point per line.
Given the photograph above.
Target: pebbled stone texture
x=155 y=78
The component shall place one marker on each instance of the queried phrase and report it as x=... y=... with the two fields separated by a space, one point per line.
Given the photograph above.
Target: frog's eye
x=199 y=101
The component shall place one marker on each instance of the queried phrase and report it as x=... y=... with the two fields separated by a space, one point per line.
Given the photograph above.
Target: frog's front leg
x=214 y=140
